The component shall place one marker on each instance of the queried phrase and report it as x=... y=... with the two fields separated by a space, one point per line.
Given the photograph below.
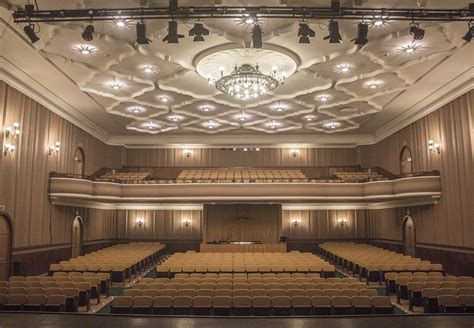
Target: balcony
x=419 y=189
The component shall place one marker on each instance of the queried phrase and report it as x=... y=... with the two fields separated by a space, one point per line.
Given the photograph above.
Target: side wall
x=443 y=231
x=24 y=181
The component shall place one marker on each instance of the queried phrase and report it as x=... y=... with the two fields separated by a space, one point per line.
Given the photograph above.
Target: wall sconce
x=434 y=147
x=54 y=149
x=139 y=222
x=12 y=131
x=8 y=149
x=295 y=152
x=342 y=222
x=296 y=222
x=187 y=152
x=186 y=222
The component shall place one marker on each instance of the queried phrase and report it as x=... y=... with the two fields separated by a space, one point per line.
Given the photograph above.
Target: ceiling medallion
x=247 y=81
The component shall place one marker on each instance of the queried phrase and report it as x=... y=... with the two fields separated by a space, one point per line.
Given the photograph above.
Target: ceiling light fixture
x=172 y=36
x=211 y=125
x=116 y=85
x=257 y=37
x=87 y=35
x=198 y=31
x=141 y=34
x=243 y=116
x=163 y=98
x=207 y=108
x=470 y=32
x=362 y=34
x=247 y=82
x=85 y=49
x=148 y=69
x=175 y=118
x=323 y=98
x=151 y=126
x=331 y=125
x=273 y=125
x=379 y=21
x=279 y=108
x=417 y=32
x=342 y=68
x=334 y=35
x=309 y=118
x=120 y=23
x=136 y=109
x=305 y=32
x=30 y=33
x=410 y=48
x=373 y=84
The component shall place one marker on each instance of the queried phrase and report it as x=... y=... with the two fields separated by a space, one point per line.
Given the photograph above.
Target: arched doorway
x=79 y=161
x=409 y=240
x=5 y=245
x=406 y=164
x=76 y=240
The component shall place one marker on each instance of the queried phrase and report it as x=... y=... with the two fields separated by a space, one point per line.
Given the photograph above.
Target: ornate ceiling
x=162 y=88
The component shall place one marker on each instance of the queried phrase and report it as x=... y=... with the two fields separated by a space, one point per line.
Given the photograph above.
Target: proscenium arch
x=79 y=161
x=409 y=235
x=6 y=245
x=77 y=235
x=406 y=161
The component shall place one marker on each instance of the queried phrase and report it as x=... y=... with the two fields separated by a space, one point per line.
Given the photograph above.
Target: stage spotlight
x=469 y=34
x=198 y=31
x=141 y=34
x=30 y=32
x=257 y=36
x=334 y=36
x=87 y=34
x=173 y=36
x=362 y=33
x=305 y=32
x=417 y=32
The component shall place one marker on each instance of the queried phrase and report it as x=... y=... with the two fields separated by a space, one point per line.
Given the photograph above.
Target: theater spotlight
x=141 y=34
x=30 y=33
x=362 y=33
x=305 y=32
x=87 y=34
x=257 y=36
x=470 y=33
x=334 y=36
x=172 y=36
x=417 y=32
x=198 y=31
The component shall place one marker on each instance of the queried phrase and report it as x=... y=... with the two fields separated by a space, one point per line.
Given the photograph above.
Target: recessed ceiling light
x=206 y=108
x=121 y=23
x=116 y=85
x=164 y=98
x=309 y=118
x=249 y=21
x=175 y=118
x=148 y=69
x=410 y=48
x=323 y=98
x=245 y=149
x=331 y=125
x=136 y=109
x=373 y=84
x=348 y=109
x=378 y=22
x=151 y=126
x=279 y=108
x=211 y=125
x=257 y=149
x=273 y=125
x=85 y=49
x=342 y=68
x=243 y=116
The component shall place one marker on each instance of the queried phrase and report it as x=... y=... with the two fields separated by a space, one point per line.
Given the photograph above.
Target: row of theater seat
x=256 y=306
x=33 y=302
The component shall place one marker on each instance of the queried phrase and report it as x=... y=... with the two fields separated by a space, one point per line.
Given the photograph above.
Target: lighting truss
x=236 y=12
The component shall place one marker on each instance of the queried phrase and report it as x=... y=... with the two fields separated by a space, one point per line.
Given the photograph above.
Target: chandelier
x=246 y=82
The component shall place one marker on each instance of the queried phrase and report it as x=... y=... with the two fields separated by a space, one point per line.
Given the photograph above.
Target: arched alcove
x=406 y=161
x=409 y=236
x=5 y=245
x=79 y=161
x=76 y=239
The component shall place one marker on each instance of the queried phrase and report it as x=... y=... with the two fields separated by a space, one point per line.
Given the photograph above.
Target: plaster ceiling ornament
x=358 y=88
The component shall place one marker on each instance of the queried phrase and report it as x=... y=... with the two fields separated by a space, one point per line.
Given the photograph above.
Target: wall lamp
x=296 y=222
x=434 y=147
x=12 y=131
x=54 y=149
x=342 y=222
x=8 y=149
x=186 y=222
x=295 y=152
x=187 y=152
x=139 y=222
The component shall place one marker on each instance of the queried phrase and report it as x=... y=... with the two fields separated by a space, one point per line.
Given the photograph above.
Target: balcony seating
x=240 y=175
x=124 y=176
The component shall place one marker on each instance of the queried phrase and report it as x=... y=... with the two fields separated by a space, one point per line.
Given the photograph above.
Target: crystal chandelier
x=246 y=82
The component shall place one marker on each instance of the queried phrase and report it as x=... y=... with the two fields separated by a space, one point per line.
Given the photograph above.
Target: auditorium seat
x=202 y=305
x=281 y=305
x=241 y=305
x=449 y=304
x=122 y=305
x=341 y=305
x=182 y=305
x=142 y=304
x=55 y=303
x=361 y=305
x=321 y=305
x=162 y=305
x=222 y=305
x=301 y=305
x=382 y=305
x=261 y=305
x=35 y=302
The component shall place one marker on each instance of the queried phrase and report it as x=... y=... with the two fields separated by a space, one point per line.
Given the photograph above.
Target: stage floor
x=118 y=321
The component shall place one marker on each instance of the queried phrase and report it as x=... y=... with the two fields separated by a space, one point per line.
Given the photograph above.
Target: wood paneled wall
x=160 y=225
x=323 y=224
x=271 y=157
x=24 y=174
x=247 y=222
x=451 y=222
